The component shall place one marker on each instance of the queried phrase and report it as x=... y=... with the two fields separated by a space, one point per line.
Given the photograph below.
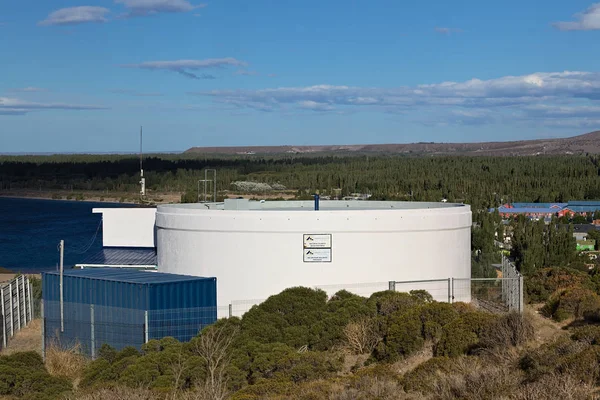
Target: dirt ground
x=27 y=339
x=113 y=197
x=128 y=198
x=545 y=329
x=6 y=277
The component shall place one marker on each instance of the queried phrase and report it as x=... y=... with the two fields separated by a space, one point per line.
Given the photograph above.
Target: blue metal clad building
x=123 y=307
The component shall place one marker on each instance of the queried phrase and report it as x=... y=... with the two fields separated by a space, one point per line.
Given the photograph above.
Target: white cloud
x=246 y=72
x=540 y=97
x=75 y=15
x=505 y=91
x=135 y=93
x=12 y=106
x=138 y=8
x=28 y=89
x=184 y=67
x=447 y=31
x=314 y=106
x=585 y=21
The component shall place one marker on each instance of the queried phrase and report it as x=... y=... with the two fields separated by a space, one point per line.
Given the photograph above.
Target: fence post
x=93 y=334
x=12 y=310
x=18 y=305
x=43 y=330
x=30 y=300
x=450 y=290
x=3 y=318
x=521 y=290
x=146 y=326
x=230 y=310
x=24 y=301
x=392 y=286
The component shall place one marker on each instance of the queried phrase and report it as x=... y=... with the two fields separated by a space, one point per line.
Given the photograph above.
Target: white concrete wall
x=127 y=227
x=255 y=254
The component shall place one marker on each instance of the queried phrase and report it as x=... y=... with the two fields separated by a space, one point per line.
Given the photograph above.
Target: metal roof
x=127 y=275
x=539 y=205
x=584 y=228
x=586 y=203
x=525 y=210
x=122 y=256
x=584 y=208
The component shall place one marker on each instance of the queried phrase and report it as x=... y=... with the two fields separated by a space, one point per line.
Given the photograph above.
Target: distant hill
x=588 y=143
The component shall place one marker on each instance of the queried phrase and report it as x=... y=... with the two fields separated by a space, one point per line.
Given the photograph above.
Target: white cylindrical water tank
x=257 y=249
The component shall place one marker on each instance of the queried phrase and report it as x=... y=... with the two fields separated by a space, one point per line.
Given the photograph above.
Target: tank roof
x=309 y=205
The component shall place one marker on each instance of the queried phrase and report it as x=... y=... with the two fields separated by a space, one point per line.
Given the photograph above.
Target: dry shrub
x=119 y=393
x=213 y=347
x=561 y=356
x=370 y=387
x=196 y=394
x=462 y=307
x=552 y=387
x=509 y=330
x=573 y=302
x=589 y=334
x=361 y=336
x=68 y=363
x=477 y=383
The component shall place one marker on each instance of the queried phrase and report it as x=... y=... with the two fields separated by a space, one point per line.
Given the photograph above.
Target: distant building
x=549 y=210
x=580 y=231
x=586 y=245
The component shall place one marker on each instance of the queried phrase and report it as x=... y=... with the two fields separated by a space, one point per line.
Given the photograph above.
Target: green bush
x=109 y=366
x=553 y=357
x=23 y=375
x=574 y=302
x=283 y=363
x=541 y=285
x=422 y=295
x=461 y=336
x=303 y=317
x=434 y=316
x=588 y=334
x=387 y=303
x=402 y=335
x=422 y=377
x=287 y=317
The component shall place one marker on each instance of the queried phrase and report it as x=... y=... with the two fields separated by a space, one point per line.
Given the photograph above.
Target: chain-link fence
x=88 y=326
x=361 y=289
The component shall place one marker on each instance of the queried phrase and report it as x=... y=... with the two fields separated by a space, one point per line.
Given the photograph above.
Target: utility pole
x=62 y=255
x=142 y=179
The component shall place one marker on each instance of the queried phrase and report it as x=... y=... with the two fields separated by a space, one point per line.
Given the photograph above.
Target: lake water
x=30 y=230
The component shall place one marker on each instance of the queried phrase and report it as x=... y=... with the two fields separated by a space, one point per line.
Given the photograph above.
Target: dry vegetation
x=66 y=363
x=516 y=358
x=28 y=338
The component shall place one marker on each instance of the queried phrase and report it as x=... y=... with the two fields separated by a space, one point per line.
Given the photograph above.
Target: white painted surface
x=257 y=253
x=127 y=227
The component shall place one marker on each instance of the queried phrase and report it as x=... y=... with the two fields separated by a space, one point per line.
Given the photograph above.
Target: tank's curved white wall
x=255 y=254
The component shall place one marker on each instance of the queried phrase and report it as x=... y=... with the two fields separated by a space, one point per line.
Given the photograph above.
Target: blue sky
x=82 y=76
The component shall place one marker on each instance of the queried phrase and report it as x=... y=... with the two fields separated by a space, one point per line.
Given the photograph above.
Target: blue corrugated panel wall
x=177 y=306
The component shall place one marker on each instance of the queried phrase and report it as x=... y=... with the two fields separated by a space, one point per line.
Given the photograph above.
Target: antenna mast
x=142 y=179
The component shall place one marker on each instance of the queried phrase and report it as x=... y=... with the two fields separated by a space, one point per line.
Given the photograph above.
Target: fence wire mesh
x=439 y=289
x=361 y=289
x=15 y=307
x=88 y=326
